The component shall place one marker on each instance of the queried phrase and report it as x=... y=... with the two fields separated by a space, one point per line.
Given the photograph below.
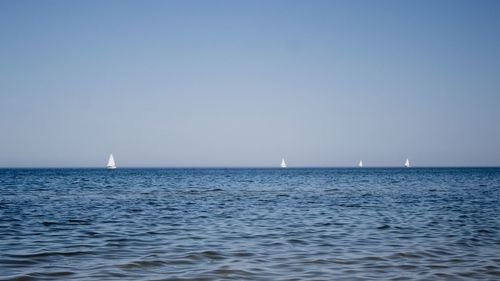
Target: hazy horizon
x=245 y=83
x=248 y=167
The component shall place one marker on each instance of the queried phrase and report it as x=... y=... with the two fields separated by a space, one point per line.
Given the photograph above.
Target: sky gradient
x=244 y=83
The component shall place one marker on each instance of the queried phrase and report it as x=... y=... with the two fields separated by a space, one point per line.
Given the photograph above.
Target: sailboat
x=407 y=163
x=360 y=164
x=111 y=162
x=283 y=163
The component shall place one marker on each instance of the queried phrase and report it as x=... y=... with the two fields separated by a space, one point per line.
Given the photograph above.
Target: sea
x=250 y=224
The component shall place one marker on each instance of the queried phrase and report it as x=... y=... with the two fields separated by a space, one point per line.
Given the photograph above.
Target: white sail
x=283 y=163
x=407 y=163
x=111 y=162
x=360 y=163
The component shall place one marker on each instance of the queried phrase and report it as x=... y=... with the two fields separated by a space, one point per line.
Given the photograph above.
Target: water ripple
x=250 y=224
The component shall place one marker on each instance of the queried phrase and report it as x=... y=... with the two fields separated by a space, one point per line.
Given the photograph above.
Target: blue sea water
x=250 y=224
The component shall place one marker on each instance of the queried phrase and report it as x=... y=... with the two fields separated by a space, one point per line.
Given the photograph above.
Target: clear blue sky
x=244 y=83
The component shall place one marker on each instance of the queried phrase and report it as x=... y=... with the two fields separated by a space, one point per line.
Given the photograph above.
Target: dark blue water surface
x=250 y=224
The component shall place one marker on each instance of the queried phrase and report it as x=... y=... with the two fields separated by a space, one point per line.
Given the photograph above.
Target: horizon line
x=243 y=167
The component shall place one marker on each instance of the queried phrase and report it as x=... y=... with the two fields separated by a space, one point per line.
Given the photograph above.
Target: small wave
x=343 y=261
x=18 y=262
x=404 y=255
x=24 y=277
x=225 y=271
x=440 y=252
x=494 y=273
x=91 y=233
x=49 y=223
x=53 y=274
x=407 y=266
x=372 y=258
x=319 y=261
x=437 y=266
x=50 y=253
x=297 y=242
x=78 y=221
x=243 y=254
x=272 y=244
x=350 y=205
x=213 y=255
x=444 y=276
x=39 y=275
x=198 y=278
x=142 y=264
